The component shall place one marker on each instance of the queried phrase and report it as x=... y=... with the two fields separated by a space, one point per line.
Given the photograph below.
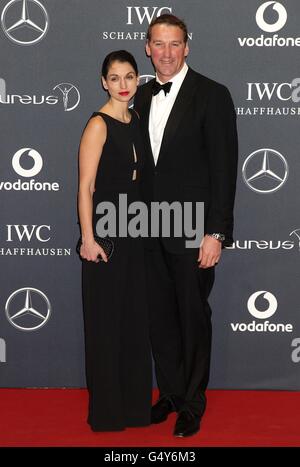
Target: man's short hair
x=170 y=20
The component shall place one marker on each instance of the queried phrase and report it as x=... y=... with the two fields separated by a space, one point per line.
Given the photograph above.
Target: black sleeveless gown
x=118 y=355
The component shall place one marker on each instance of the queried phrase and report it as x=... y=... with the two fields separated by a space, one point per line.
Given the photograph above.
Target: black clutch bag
x=106 y=244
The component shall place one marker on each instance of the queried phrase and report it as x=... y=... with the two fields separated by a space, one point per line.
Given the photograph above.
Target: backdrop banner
x=51 y=53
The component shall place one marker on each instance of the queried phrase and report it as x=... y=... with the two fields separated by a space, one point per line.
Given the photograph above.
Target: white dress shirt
x=161 y=106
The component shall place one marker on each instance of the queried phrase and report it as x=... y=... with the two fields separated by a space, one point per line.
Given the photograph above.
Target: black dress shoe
x=187 y=424
x=162 y=409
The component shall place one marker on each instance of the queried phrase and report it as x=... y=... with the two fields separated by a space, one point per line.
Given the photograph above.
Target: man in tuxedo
x=189 y=127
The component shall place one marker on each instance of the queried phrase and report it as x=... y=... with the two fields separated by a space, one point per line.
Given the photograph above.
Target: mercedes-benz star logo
x=265 y=171
x=69 y=93
x=24 y=27
x=23 y=314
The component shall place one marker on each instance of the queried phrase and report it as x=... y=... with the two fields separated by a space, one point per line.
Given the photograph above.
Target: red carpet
x=57 y=417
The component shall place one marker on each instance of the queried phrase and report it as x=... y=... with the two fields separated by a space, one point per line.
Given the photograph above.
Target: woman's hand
x=91 y=145
x=91 y=250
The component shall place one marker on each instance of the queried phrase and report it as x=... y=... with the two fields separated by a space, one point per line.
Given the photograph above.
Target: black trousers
x=180 y=325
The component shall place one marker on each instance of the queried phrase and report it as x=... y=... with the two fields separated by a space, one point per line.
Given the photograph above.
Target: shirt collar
x=177 y=79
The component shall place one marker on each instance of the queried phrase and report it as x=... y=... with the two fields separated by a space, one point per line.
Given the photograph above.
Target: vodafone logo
x=27 y=163
x=260 y=17
x=270 y=17
x=262 y=305
x=271 y=301
x=37 y=162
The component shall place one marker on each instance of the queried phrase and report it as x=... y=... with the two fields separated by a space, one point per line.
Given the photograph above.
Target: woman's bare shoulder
x=96 y=126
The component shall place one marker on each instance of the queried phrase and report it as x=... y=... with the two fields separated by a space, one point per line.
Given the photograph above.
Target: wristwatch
x=217 y=236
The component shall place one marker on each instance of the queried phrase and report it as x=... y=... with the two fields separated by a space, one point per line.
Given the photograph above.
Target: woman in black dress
x=118 y=357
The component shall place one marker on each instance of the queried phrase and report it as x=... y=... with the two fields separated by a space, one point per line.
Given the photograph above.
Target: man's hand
x=209 y=252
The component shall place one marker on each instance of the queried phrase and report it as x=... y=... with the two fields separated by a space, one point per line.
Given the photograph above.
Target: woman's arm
x=90 y=151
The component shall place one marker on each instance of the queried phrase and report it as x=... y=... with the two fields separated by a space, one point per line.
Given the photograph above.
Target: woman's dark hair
x=118 y=56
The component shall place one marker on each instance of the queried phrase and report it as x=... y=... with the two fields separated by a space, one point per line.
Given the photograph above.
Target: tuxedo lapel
x=181 y=103
x=145 y=120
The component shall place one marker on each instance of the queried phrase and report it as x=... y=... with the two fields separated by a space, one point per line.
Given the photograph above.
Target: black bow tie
x=158 y=87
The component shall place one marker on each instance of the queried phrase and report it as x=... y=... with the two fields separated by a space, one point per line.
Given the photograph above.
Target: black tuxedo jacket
x=198 y=154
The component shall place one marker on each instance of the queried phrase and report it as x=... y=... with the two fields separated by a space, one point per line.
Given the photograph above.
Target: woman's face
x=121 y=81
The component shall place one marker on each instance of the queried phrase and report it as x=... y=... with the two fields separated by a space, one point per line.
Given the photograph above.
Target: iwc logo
x=31 y=240
x=137 y=20
x=272 y=99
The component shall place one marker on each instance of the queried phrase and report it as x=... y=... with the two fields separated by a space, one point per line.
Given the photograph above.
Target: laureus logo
x=66 y=94
x=269 y=244
x=70 y=95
